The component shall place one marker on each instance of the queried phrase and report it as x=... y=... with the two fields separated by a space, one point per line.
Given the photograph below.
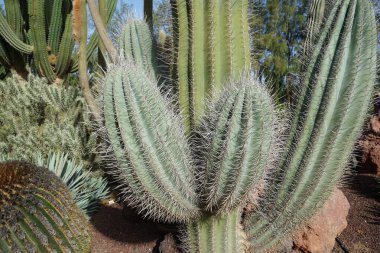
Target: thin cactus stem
x=83 y=78
x=101 y=29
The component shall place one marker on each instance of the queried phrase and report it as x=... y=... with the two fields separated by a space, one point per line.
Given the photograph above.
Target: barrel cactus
x=38 y=213
x=226 y=149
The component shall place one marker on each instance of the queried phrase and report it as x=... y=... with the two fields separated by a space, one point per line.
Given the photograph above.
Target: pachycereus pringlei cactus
x=37 y=212
x=203 y=170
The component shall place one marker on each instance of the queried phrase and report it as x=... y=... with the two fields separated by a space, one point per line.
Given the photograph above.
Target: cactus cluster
x=38 y=213
x=231 y=149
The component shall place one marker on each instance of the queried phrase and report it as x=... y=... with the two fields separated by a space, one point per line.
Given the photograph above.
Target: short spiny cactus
x=38 y=213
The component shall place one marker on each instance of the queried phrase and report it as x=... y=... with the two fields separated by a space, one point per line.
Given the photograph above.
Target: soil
x=362 y=234
x=118 y=231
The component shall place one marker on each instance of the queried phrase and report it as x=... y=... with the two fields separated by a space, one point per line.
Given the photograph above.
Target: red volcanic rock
x=318 y=235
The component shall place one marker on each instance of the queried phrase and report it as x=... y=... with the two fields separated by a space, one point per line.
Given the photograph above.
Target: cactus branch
x=101 y=29
x=83 y=78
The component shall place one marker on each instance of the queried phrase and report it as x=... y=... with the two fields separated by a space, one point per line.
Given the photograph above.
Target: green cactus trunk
x=331 y=109
x=217 y=233
x=211 y=46
x=38 y=213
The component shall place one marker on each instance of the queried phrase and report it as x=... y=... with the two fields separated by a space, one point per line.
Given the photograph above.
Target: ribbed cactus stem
x=316 y=17
x=331 y=110
x=211 y=46
x=37 y=212
x=239 y=138
x=38 y=38
x=136 y=41
x=217 y=234
x=12 y=38
x=151 y=158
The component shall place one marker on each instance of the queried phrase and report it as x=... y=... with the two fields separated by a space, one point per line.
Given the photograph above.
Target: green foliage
x=37 y=117
x=279 y=27
x=38 y=213
x=87 y=188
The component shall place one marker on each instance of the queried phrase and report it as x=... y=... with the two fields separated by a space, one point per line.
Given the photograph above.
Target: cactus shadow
x=368 y=187
x=124 y=225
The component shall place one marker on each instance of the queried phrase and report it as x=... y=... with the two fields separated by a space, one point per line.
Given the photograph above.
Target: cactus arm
x=181 y=58
x=199 y=59
x=351 y=53
x=217 y=234
x=5 y=60
x=136 y=41
x=65 y=48
x=101 y=48
x=38 y=37
x=211 y=45
x=94 y=40
x=149 y=146
x=100 y=27
x=14 y=16
x=316 y=16
x=83 y=78
x=239 y=139
x=10 y=36
x=55 y=27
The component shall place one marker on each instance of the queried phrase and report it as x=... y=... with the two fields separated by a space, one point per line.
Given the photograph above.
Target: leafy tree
x=279 y=30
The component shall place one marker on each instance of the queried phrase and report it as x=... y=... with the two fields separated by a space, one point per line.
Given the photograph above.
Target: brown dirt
x=362 y=234
x=115 y=231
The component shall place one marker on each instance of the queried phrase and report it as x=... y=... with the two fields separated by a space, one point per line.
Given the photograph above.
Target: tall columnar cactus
x=137 y=44
x=211 y=46
x=37 y=212
x=330 y=112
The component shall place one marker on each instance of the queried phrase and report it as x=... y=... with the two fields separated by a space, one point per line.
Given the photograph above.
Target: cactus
x=37 y=212
x=137 y=44
x=216 y=233
x=233 y=140
x=238 y=139
x=87 y=188
x=153 y=160
x=328 y=117
x=40 y=30
x=211 y=46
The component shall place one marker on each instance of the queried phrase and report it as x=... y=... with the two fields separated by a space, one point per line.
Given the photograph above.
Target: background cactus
x=37 y=212
x=328 y=117
x=211 y=46
x=138 y=45
x=41 y=118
